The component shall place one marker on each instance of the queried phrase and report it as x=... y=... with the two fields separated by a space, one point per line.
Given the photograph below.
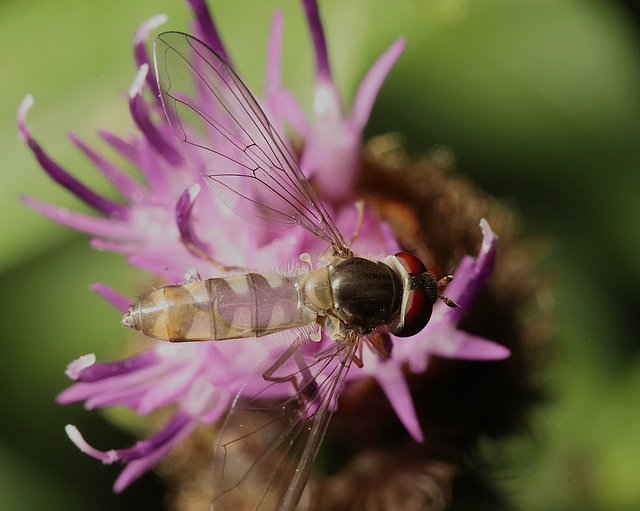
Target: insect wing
x=228 y=137
x=267 y=445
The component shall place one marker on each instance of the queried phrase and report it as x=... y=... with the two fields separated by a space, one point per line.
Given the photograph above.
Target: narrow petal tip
x=148 y=26
x=76 y=437
x=476 y=348
x=193 y=191
x=121 y=302
x=323 y=68
x=370 y=86
x=138 y=81
x=23 y=110
x=488 y=236
x=78 y=365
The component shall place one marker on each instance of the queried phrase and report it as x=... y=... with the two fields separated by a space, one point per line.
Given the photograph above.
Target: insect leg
x=360 y=207
x=357 y=359
x=380 y=342
x=268 y=374
x=194 y=249
x=307 y=387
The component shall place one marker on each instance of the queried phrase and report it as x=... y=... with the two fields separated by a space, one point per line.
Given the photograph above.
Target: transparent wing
x=226 y=134
x=267 y=444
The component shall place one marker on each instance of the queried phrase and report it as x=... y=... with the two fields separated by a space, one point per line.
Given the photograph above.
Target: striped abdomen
x=248 y=305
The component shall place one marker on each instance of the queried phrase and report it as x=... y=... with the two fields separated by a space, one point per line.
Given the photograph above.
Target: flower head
x=172 y=226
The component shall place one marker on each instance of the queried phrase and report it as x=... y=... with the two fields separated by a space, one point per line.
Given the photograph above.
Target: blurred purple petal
x=95 y=371
x=129 y=187
x=185 y=221
x=319 y=43
x=81 y=222
x=141 y=115
x=394 y=384
x=75 y=368
x=471 y=276
x=126 y=148
x=119 y=301
x=205 y=28
x=140 y=40
x=281 y=104
x=371 y=84
x=61 y=176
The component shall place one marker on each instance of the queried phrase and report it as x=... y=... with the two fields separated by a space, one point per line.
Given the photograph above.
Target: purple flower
x=167 y=224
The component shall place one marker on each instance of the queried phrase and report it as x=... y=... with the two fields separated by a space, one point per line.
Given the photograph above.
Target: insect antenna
x=447 y=301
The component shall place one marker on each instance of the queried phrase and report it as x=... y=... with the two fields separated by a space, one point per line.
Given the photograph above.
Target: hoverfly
x=268 y=442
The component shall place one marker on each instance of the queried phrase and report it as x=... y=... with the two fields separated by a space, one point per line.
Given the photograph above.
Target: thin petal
x=282 y=105
x=471 y=276
x=319 y=43
x=180 y=427
x=114 y=246
x=120 y=390
x=138 y=467
x=122 y=396
x=273 y=68
x=119 y=301
x=371 y=84
x=478 y=348
x=144 y=454
x=141 y=115
x=219 y=408
x=461 y=345
x=95 y=225
x=100 y=371
x=128 y=149
x=124 y=183
x=206 y=28
x=147 y=447
x=25 y=105
x=75 y=368
x=185 y=221
x=61 y=176
x=140 y=49
x=394 y=384
x=74 y=435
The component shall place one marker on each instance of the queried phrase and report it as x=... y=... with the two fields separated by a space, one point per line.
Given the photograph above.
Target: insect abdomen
x=250 y=305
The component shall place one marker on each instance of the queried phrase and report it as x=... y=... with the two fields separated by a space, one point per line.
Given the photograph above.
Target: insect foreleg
x=359 y=204
x=268 y=374
x=380 y=343
x=196 y=250
x=357 y=359
x=306 y=387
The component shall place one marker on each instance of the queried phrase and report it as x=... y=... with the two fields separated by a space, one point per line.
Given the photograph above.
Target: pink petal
x=394 y=384
x=371 y=84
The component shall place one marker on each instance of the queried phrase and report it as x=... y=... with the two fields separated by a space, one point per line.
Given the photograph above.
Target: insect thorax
x=360 y=293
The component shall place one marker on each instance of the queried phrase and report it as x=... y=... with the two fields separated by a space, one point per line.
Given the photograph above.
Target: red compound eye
x=420 y=302
x=411 y=263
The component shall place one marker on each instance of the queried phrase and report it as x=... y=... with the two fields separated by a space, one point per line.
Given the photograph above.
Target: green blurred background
x=539 y=100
